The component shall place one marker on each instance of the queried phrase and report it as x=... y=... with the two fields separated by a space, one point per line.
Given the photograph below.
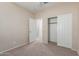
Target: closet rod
x=53 y=23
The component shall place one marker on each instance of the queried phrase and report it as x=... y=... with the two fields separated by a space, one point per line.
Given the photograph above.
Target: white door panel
x=32 y=30
x=64 y=30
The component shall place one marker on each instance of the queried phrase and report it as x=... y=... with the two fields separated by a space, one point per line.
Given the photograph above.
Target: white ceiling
x=35 y=6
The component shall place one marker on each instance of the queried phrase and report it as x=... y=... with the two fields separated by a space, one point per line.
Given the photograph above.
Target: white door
x=64 y=30
x=39 y=29
x=32 y=30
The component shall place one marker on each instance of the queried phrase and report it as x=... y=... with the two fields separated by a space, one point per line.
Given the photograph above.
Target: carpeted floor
x=40 y=49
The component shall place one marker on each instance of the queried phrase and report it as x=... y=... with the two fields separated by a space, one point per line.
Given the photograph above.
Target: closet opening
x=52 y=30
x=60 y=30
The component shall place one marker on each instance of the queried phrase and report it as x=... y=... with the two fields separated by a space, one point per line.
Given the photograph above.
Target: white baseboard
x=69 y=48
x=13 y=48
x=78 y=52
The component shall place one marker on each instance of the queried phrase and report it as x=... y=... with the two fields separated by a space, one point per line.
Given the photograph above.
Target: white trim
x=74 y=49
x=78 y=52
x=71 y=49
x=13 y=48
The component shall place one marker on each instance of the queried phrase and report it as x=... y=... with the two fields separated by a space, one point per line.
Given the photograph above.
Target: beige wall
x=13 y=26
x=77 y=31
x=59 y=10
